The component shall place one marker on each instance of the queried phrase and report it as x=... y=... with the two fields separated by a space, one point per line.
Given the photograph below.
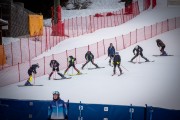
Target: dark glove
x=66 y=117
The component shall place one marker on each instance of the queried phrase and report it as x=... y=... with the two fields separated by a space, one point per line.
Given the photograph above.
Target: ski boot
x=147 y=60
x=97 y=66
x=28 y=83
x=164 y=53
x=114 y=72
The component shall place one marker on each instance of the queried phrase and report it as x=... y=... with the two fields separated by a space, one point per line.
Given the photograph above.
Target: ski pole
x=80 y=111
x=90 y=64
x=53 y=75
x=125 y=68
x=131 y=111
x=107 y=57
x=68 y=109
x=34 y=79
x=87 y=65
x=139 y=58
x=72 y=70
x=145 y=112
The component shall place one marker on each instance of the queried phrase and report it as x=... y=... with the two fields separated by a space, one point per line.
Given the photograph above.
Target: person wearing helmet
x=117 y=62
x=55 y=67
x=89 y=58
x=138 y=51
x=31 y=70
x=162 y=46
x=71 y=61
x=57 y=108
x=111 y=52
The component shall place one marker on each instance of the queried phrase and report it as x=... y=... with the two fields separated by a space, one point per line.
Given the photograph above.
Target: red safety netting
x=19 y=72
x=146 y=4
x=27 y=48
x=154 y=3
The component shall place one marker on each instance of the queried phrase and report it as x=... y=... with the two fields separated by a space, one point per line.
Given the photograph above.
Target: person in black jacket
x=55 y=67
x=89 y=58
x=117 y=62
x=31 y=70
x=162 y=46
x=111 y=52
x=71 y=61
x=139 y=51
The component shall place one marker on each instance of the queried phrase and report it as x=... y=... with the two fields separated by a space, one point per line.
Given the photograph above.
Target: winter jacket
x=89 y=56
x=160 y=43
x=32 y=69
x=57 y=109
x=54 y=64
x=111 y=51
x=117 y=59
x=138 y=50
x=71 y=60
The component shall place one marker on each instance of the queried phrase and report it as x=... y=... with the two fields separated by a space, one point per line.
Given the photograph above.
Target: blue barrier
x=11 y=109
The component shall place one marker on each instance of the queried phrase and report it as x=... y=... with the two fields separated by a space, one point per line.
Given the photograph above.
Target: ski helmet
x=137 y=46
x=116 y=53
x=158 y=40
x=56 y=93
x=56 y=97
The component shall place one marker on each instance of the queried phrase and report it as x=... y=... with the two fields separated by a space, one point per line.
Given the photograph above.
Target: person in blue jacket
x=111 y=52
x=58 y=108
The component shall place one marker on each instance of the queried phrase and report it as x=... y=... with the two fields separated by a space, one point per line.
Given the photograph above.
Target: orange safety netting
x=36 y=25
x=2 y=56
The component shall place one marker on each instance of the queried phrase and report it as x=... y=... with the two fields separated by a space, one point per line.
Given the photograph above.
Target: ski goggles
x=55 y=93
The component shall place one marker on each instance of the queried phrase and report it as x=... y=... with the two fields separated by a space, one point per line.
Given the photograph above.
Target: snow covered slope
x=149 y=17
x=155 y=84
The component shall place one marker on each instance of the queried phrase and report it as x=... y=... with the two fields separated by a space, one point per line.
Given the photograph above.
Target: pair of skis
x=62 y=78
x=28 y=85
x=95 y=68
x=141 y=62
x=162 y=55
x=118 y=74
x=76 y=74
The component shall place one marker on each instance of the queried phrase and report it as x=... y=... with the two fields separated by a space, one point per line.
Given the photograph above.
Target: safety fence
x=154 y=3
x=148 y=3
x=11 y=109
x=18 y=72
x=27 y=48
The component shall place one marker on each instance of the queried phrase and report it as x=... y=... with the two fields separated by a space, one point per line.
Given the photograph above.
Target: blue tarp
x=38 y=110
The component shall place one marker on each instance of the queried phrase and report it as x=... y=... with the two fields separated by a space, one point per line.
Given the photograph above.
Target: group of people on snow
x=58 y=109
x=112 y=54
